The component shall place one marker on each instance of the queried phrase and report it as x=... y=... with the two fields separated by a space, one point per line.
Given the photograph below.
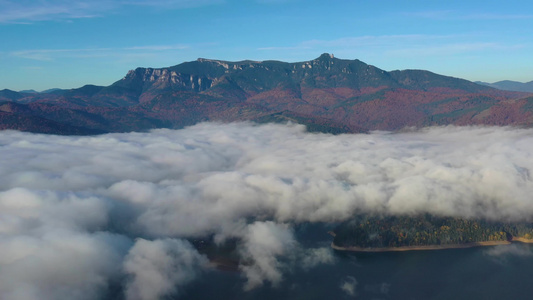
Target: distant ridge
x=509 y=85
x=53 y=90
x=327 y=94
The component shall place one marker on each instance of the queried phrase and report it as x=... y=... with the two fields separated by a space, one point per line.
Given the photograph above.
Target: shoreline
x=522 y=240
x=432 y=247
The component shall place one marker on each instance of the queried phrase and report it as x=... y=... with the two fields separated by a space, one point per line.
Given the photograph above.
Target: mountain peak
x=327 y=93
x=325 y=56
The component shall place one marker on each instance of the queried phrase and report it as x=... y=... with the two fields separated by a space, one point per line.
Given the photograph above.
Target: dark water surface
x=497 y=272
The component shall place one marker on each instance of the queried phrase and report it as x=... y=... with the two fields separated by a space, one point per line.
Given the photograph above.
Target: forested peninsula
x=425 y=232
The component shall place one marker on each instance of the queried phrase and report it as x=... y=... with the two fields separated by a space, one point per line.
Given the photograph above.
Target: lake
x=496 y=272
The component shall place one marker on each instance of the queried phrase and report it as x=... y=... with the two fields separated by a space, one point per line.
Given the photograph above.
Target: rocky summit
x=326 y=94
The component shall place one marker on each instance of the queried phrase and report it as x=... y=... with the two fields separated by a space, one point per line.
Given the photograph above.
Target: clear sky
x=66 y=44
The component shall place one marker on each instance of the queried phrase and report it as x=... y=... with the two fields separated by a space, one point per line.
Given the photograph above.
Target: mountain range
x=327 y=94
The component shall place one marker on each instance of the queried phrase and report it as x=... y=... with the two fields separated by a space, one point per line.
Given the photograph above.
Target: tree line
x=424 y=230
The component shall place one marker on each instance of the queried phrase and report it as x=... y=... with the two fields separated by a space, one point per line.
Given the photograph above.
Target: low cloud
x=59 y=265
x=349 y=286
x=501 y=254
x=81 y=216
x=264 y=243
x=316 y=256
x=157 y=268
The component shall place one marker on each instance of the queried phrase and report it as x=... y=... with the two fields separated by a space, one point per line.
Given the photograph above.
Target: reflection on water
x=500 y=272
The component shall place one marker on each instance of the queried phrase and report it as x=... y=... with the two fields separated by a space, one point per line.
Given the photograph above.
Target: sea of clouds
x=80 y=216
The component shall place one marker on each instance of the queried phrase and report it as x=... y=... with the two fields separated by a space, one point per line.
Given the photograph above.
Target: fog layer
x=80 y=216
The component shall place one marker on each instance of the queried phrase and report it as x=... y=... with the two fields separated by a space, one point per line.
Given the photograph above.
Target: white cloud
x=171 y=4
x=455 y=15
x=31 y=11
x=84 y=200
x=158 y=47
x=349 y=286
x=276 y=175
x=157 y=268
x=59 y=265
x=370 y=41
x=453 y=48
x=496 y=16
x=22 y=11
x=412 y=46
x=430 y=14
x=317 y=256
x=264 y=242
x=57 y=54
x=51 y=54
x=502 y=253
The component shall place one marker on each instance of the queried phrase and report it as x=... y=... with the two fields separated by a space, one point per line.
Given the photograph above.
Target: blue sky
x=66 y=44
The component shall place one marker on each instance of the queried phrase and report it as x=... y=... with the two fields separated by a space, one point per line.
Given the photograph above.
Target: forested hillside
x=425 y=230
